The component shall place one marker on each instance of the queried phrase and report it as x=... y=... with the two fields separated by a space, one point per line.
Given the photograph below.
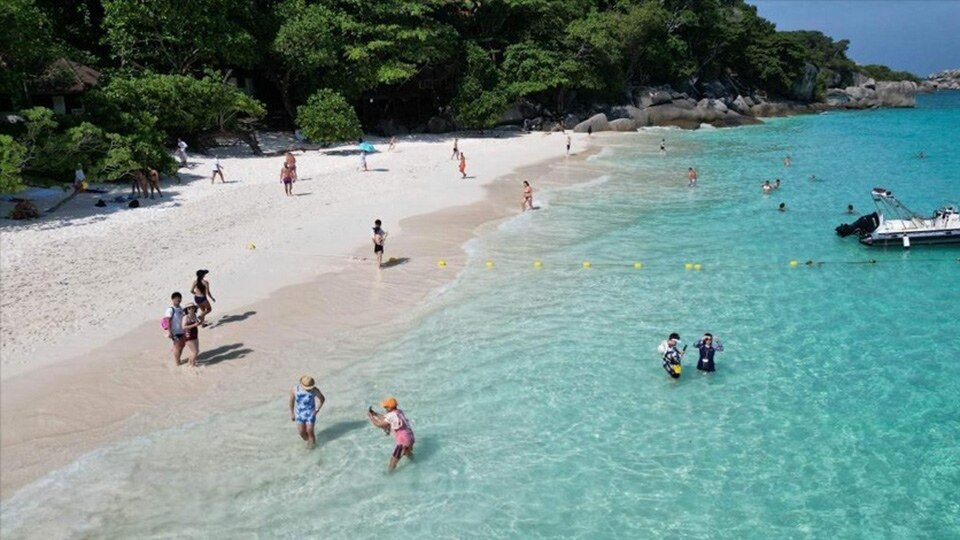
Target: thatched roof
x=65 y=77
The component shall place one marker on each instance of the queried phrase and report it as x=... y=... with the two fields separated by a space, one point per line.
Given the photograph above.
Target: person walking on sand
x=691 y=177
x=172 y=322
x=306 y=400
x=153 y=178
x=463 y=165
x=707 y=347
x=456 y=149
x=201 y=294
x=527 y=200
x=396 y=422
x=182 y=152
x=379 y=237
x=217 y=170
x=568 y=145
x=287 y=177
x=191 y=333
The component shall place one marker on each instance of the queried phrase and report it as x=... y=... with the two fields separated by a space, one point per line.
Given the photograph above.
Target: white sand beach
x=83 y=290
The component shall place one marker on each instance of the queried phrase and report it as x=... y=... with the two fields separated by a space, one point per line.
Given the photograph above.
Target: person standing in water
x=527 y=200
x=463 y=165
x=691 y=177
x=306 y=400
x=396 y=421
x=191 y=333
x=707 y=347
x=217 y=170
x=671 y=355
x=201 y=294
x=379 y=237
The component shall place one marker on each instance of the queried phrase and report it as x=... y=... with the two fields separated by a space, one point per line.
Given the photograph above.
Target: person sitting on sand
x=463 y=165
x=379 y=237
x=202 y=295
x=306 y=400
x=766 y=187
x=153 y=179
x=707 y=347
x=691 y=177
x=217 y=170
x=173 y=323
x=191 y=333
x=396 y=421
x=527 y=200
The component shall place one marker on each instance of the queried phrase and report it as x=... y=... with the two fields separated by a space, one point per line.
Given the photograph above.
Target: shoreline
x=99 y=396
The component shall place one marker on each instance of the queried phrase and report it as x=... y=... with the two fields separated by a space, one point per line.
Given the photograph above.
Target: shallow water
x=537 y=395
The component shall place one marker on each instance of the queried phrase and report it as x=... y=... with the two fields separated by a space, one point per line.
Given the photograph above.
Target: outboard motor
x=862 y=226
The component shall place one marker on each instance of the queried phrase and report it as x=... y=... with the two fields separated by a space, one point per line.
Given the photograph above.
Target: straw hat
x=389 y=403
x=306 y=382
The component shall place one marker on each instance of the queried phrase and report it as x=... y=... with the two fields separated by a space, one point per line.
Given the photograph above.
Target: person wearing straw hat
x=305 y=402
x=396 y=422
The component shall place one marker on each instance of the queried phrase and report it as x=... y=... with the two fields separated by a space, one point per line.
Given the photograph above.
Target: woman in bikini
x=201 y=294
x=191 y=333
x=527 y=200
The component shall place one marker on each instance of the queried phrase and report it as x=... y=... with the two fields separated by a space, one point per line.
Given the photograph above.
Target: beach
x=282 y=268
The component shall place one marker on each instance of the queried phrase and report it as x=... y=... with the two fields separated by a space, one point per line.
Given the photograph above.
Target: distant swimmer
x=663 y=145
x=306 y=400
x=527 y=201
x=671 y=355
x=394 y=422
x=786 y=161
x=850 y=209
x=782 y=207
x=691 y=177
x=766 y=187
x=707 y=347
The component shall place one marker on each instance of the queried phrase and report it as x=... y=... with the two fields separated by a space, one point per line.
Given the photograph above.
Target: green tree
x=327 y=117
x=12 y=155
x=180 y=36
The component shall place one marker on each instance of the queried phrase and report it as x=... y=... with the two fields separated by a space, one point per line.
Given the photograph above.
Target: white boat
x=895 y=224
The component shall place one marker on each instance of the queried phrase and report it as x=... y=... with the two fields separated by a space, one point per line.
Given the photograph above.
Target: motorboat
x=895 y=224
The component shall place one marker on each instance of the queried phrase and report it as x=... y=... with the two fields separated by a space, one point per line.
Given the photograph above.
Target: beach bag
x=165 y=321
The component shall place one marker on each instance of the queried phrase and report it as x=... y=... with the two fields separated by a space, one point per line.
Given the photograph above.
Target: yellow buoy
x=688 y=266
x=489 y=264
x=442 y=263
x=537 y=264
x=794 y=264
x=251 y=246
x=586 y=264
x=698 y=266
x=638 y=265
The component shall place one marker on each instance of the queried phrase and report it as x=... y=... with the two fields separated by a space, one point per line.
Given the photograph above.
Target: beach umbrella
x=366 y=147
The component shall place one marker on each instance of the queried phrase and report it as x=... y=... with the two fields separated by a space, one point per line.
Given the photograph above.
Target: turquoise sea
x=538 y=399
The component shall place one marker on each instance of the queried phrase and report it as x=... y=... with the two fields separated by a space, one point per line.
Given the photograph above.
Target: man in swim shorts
x=379 y=237
x=396 y=421
x=707 y=347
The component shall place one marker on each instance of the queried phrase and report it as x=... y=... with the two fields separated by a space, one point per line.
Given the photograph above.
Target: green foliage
x=12 y=155
x=327 y=117
x=479 y=101
x=182 y=105
x=878 y=72
x=180 y=36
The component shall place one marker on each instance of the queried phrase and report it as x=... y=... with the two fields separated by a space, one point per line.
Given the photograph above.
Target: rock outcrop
x=945 y=80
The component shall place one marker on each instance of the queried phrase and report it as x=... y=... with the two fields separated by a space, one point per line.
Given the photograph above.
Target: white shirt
x=175 y=314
